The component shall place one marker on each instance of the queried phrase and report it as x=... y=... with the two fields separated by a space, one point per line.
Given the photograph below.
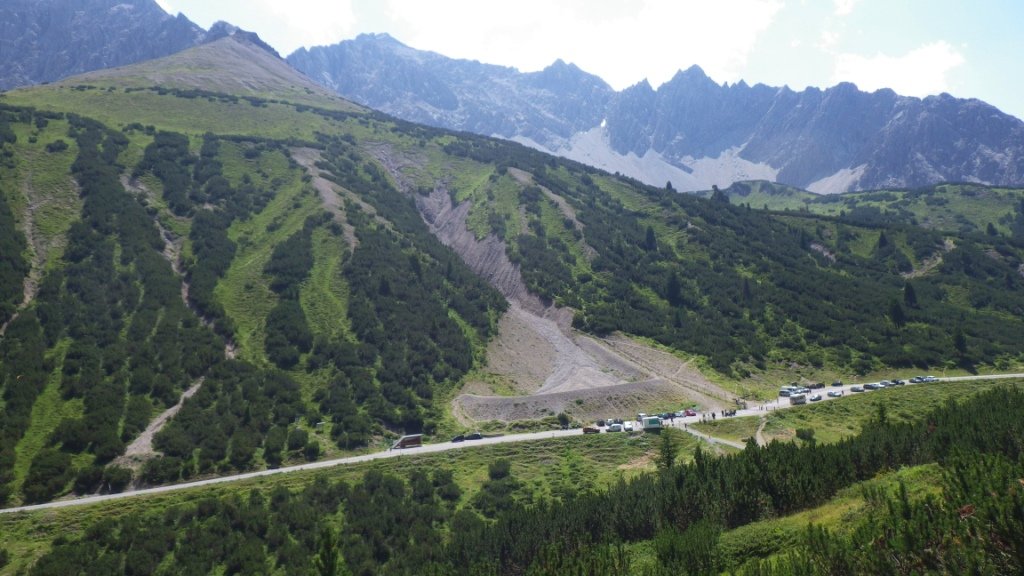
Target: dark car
x=871 y=386
x=816 y=385
x=917 y=379
x=600 y=422
x=856 y=389
x=591 y=430
x=474 y=436
x=459 y=438
x=837 y=383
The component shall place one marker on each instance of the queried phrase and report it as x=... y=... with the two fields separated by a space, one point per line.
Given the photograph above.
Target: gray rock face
x=829 y=140
x=45 y=40
x=547 y=107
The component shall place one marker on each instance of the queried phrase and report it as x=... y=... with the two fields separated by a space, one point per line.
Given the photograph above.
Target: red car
x=591 y=430
x=689 y=412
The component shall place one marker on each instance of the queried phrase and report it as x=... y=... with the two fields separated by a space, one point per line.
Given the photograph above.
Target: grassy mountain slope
x=960 y=208
x=269 y=247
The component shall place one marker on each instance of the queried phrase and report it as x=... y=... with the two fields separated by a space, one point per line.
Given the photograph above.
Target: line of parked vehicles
x=802 y=394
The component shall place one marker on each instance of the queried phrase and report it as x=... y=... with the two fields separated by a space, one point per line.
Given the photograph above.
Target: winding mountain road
x=439 y=447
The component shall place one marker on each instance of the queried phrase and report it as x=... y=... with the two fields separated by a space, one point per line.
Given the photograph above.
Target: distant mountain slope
x=546 y=107
x=45 y=40
x=690 y=131
x=963 y=208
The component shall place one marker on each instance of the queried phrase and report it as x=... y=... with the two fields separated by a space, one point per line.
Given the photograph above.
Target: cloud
x=305 y=22
x=920 y=72
x=845 y=7
x=622 y=42
x=828 y=40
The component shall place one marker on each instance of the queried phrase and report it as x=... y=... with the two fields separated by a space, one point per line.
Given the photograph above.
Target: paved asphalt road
x=779 y=404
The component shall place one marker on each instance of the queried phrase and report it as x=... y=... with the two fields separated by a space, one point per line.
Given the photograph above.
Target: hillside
x=320 y=278
x=962 y=208
x=690 y=131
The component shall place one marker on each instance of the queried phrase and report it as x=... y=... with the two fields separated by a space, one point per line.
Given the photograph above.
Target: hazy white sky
x=916 y=47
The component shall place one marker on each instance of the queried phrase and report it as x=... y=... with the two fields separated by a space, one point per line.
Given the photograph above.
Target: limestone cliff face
x=45 y=40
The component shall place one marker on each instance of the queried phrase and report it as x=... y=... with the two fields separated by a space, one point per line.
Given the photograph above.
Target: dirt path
x=932 y=262
x=759 y=435
x=39 y=249
x=142 y=447
x=329 y=195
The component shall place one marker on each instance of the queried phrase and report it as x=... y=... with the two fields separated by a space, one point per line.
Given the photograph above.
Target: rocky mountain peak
x=222 y=29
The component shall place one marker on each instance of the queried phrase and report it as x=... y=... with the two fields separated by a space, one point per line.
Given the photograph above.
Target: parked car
x=689 y=412
x=627 y=426
x=591 y=430
x=615 y=428
x=898 y=382
x=871 y=386
x=600 y=423
x=856 y=389
x=459 y=438
x=835 y=393
x=917 y=379
x=930 y=379
x=884 y=384
x=816 y=385
x=837 y=383
x=814 y=397
x=474 y=436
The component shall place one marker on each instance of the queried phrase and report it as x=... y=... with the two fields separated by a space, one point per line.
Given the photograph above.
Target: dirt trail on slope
x=39 y=248
x=329 y=195
x=549 y=365
x=141 y=448
x=932 y=262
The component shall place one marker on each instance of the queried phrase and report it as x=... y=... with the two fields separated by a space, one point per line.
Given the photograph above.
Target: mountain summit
x=690 y=131
x=45 y=40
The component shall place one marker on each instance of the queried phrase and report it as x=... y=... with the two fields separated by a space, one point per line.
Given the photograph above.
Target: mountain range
x=690 y=131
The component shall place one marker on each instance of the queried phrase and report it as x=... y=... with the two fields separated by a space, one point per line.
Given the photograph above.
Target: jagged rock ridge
x=690 y=131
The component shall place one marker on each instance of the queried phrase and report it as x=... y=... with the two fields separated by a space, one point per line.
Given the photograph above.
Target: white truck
x=651 y=423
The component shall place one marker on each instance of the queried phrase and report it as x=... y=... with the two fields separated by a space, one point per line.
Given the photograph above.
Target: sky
x=916 y=47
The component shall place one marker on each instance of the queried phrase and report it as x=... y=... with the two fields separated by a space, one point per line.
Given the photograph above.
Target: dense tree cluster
x=229 y=418
x=288 y=333
x=13 y=264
